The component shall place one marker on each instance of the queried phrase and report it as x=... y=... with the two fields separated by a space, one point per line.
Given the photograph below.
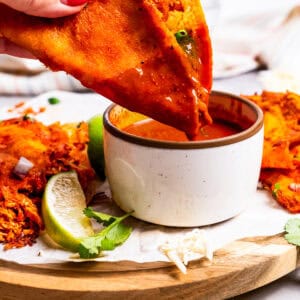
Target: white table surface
x=287 y=287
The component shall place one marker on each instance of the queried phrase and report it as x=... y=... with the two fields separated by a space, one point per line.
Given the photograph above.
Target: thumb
x=47 y=8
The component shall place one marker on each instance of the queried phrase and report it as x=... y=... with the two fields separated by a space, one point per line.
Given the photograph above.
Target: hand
x=41 y=8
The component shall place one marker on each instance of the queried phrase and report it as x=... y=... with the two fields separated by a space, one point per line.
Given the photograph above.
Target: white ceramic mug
x=185 y=183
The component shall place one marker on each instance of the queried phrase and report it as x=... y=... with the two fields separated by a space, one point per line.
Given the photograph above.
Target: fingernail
x=74 y=2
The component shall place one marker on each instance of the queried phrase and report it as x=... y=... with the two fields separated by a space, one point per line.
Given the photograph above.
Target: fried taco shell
x=280 y=171
x=150 y=56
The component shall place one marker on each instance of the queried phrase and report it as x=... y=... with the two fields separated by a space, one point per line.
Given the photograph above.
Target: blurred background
x=256 y=35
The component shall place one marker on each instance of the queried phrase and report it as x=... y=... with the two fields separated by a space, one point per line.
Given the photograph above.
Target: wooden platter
x=239 y=267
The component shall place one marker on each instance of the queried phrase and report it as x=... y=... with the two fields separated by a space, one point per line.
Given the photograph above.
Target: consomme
x=155 y=130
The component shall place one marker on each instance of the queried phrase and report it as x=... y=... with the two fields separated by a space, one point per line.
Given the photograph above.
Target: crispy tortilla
x=128 y=52
x=281 y=156
x=284 y=186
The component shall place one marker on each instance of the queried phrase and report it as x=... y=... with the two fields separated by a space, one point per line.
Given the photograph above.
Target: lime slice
x=62 y=209
x=95 y=145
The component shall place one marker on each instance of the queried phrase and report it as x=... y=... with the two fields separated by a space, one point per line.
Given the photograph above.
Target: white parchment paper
x=263 y=216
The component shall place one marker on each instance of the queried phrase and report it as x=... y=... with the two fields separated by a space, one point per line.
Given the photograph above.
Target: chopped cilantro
x=114 y=233
x=275 y=190
x=185 y=40
x=53 y=100
x=181 y=35
x=292 y=229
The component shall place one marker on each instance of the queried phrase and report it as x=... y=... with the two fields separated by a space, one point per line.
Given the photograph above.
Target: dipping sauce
x=155 y=130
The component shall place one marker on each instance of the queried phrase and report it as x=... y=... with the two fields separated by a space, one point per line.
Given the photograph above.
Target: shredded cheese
x=193 y=245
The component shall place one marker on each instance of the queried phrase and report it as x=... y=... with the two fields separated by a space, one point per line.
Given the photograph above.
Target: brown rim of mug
x=243 y=135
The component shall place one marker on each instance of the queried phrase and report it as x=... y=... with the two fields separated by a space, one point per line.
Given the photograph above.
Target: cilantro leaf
x=293 y=238
x=119 y=233
x=53 y=100
x=88 y=248
x=107 y=244
x=99 y=216
x=114 y=234
x=292 y=228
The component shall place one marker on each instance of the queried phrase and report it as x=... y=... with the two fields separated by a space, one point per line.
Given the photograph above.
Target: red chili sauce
x=155 y=130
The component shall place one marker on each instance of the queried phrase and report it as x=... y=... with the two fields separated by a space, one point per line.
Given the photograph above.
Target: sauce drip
x=155 y=130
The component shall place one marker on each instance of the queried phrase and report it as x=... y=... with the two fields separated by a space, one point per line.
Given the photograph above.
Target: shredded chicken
x=51 y=149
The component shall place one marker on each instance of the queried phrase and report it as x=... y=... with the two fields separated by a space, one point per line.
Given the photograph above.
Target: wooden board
x=237 y=268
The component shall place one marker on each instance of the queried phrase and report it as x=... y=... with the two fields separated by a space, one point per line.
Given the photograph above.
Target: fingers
x=12 y=49
x=42 y=8
x=74 y=2
x=47 y=8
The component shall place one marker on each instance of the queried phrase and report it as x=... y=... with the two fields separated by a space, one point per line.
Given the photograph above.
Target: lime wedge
x=62 y=209
x=95 y=145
